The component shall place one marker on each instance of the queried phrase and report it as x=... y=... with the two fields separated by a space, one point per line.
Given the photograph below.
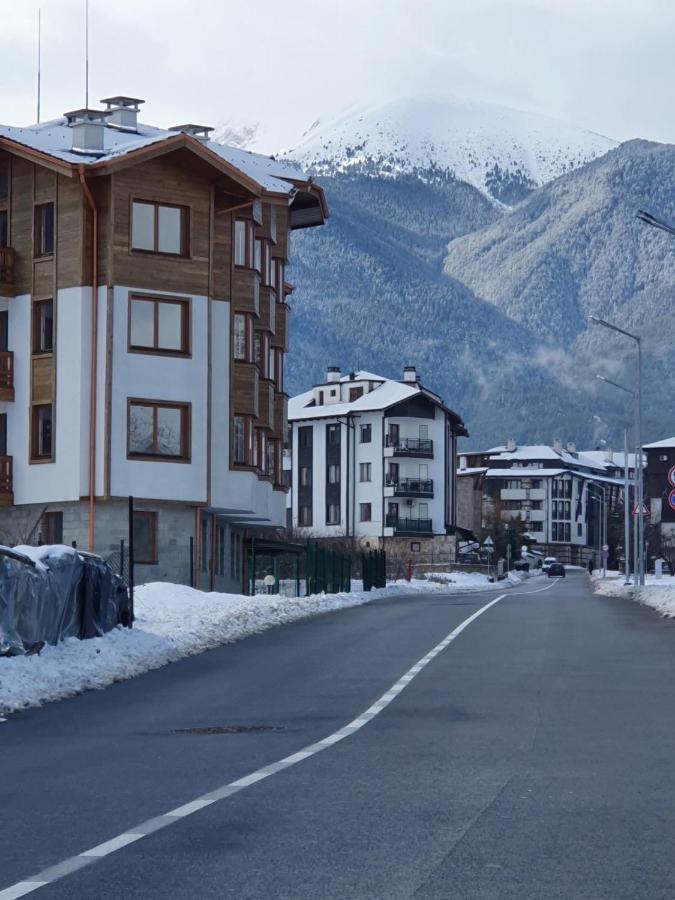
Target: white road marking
x=48 y=876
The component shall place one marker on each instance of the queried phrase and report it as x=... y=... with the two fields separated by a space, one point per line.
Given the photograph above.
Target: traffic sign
x=637 y=511
x=671 y=499
x=605 y=548
x=488 y=542
x=671 y=476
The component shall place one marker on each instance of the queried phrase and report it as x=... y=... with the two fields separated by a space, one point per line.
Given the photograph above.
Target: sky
x=606 y=65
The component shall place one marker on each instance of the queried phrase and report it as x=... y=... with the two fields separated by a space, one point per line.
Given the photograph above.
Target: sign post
x=488 y=546
x=605 y=555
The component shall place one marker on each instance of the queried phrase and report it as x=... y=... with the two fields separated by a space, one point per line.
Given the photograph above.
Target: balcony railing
x=6 y=375
x=6 y=271
x=408 y=525
x=6 y=487
x=411 y=487
x=411 y=446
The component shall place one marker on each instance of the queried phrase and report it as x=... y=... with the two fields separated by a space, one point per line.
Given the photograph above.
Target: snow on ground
x=174 y=621
x=659 y=593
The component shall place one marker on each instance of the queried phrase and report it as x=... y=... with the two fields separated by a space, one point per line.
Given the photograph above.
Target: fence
x=327 y=570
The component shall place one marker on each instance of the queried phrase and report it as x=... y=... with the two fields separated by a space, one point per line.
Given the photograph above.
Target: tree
x=504 y=529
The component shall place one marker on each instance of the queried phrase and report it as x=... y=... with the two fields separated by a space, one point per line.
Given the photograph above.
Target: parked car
x=521 y=565
x=548 y=562
x=556 y=569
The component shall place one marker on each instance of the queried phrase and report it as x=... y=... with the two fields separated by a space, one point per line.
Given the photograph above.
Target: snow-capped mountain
x=503 y=152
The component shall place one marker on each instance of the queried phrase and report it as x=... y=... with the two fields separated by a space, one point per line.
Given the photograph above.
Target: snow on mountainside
x=503 y=152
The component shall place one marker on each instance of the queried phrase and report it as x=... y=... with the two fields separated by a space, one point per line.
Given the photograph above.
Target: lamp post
x=602 y=535
x=626 y=489
x=594 y=320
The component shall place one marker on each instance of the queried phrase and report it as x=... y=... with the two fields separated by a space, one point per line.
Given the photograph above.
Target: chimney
x=557 y=445
x=332 y=374
x=123 y=112
x=201 y=132
x=511 y=445
x=410 y=374
x=609 y=454
x=88 y=127
x=571 y=447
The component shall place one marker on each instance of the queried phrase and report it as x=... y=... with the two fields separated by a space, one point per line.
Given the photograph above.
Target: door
x=393 y=473
x=392 y=514
x=424 y=432
x=423 y=510
x=4 y=331
x=393 y=435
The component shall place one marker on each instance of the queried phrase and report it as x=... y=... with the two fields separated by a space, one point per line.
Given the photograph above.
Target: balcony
x=6 y=486
x=417 y=447
x=408 y=526
x=6 y=272
x=411 y=487
x=6 y=375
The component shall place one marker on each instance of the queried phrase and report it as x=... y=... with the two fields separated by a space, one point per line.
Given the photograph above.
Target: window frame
x=249 y=456
x=365 y=507
x=333 y=506
x=185 y=304
x=185 y=431
x=35 y=456
x=36 y=328
x=4 y=214
x=305 y=508
x=185 y=229
x=365 y=468
x=39 y=250
x=248 y=243
x=152 y=517
x=366 y=429
x=51 y=520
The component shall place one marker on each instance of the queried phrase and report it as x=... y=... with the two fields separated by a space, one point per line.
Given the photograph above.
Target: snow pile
x=472 y=141
x=658 y=593
x=172 y=622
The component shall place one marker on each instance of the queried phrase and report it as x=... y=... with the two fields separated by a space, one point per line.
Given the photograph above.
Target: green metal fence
x=327 y=570
x=374 y=569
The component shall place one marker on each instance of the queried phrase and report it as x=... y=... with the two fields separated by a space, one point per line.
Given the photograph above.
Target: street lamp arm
x=594 y=320
x=615 y=384
x=649 y=219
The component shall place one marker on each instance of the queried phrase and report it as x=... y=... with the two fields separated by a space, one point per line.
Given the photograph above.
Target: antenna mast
x=86 y=54
x=39 y=61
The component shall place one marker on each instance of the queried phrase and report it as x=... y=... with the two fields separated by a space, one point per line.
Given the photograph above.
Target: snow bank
x=174 y=621
x=658 y=593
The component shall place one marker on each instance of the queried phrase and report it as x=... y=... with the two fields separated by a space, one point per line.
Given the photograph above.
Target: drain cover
x=227 y=729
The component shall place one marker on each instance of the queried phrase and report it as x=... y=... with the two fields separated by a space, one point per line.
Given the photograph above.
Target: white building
x=373 y=459
x=558 y=491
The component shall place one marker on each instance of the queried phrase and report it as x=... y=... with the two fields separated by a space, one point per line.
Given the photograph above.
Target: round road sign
x=671 y=499
x=671 y=476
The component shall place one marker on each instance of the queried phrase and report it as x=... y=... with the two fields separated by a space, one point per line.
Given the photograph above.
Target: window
x=365 y=471
x=257 y=255
x=4 y=178
x=158 y=429
x=415 y=547
x=271 y=459
x=220 y=556
x=239 y=336
x=159 y=229
x=366 y=512
x=204 y=545
x=535 y=526
x=41 y=432
x=355 y=393
x=537 y=504
x=305 y=515
x=333 y=434
x=579 y=529
x=52 y=528
x=333 y=474
x=43 y=326
x=243 y=243
x=4 y=228
x=242 y=440
x=305 y=476
x=424 y=432
x=305 y=436
x=663 y=457
x=43 y=239
x=423 y=510
x=333 y=393
x=536 y=484
x=366 y=434
x=145 y=538
x=333 y=514
x=159 y=325
x=512 y=485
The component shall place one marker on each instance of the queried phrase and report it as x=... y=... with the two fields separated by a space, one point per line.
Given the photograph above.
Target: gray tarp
x=54 y=592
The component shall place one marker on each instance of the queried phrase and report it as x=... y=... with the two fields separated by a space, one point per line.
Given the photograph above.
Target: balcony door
x=393 y=435
x=3 y=434
x=4 y=331
x=392 y=513
x=393 y=473
x=423 y=511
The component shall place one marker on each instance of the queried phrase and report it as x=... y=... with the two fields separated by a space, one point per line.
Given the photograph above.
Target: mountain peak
x=503 y=152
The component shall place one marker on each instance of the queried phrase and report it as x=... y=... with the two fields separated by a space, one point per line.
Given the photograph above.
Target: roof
x=387 y=393
x=54 y=139
x=524 y=473
x=657 y=445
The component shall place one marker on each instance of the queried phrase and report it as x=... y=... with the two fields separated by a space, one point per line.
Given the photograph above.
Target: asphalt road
x=531 y=758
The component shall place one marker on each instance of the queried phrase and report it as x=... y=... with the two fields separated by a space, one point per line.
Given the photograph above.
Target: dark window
x=305 y=515
x=145 y=537
x=44 y=229
x=537 y=504
x=333 y=474
x=4 y=178
x=160 y=229
x=52 y=528
x=536 y=484
x=579 y=529
x=4 y=228
x=305 y=476
x=242 y=440
x=41 y=432
x=204 y=565
x=159 y=325
x=333 y=514
x=3 y=434
x=415 y=547
x=43 y=326
x=366 y=512
x=355 y=393
x=320 y=398
x=158 y=430
x=305 y=436
x=365 y=471
x=366 y=434
x=333 y=434
x=220 y=557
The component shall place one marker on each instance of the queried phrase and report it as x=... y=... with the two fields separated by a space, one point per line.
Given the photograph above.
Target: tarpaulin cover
x=54 y=592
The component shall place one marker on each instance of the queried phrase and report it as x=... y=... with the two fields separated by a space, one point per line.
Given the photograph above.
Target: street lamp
x=626 y=499
x=649 y=219
x=594 y=320
x=602 y=536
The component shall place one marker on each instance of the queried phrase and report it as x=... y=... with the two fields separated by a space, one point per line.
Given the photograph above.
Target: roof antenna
x=39 y=62
x=86 y=54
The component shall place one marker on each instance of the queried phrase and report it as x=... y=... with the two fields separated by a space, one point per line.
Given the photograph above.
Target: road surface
x=530 y=757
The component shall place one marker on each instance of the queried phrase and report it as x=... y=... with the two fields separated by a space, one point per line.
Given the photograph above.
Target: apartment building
x=143 y=327
x=373 y=459
x=660 y=488
x=558 y=491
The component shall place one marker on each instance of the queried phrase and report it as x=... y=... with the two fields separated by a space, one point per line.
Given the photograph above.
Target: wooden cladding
x=280 y=337
x=246 y=291
x=280 y=415
x=268 y=309
x=245 y=389
x=265 y=404
x=42 y=379
x=6 y=375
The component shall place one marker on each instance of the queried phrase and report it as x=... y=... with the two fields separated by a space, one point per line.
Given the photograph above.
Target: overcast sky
x=607 y=65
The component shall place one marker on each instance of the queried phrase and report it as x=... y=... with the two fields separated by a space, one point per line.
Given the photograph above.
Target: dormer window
x=159 y=228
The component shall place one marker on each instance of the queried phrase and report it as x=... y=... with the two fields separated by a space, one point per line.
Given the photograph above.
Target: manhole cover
x=227 y=729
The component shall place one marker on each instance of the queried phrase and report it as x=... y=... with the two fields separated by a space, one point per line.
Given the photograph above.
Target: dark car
x=557 y=569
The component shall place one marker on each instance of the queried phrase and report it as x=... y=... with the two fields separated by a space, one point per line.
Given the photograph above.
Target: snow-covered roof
x=55 y=139
x=537 y=452
x=657 y=445
x=477 y=470
x=524 y=473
